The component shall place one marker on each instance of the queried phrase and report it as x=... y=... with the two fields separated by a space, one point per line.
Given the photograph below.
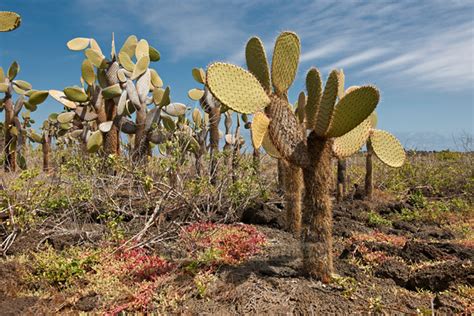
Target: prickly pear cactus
x=14 y=131
x=9 y=21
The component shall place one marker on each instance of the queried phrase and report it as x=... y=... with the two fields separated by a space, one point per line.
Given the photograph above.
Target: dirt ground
x=406 y=268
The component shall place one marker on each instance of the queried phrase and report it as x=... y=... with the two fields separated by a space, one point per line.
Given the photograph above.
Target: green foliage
x=375 y=219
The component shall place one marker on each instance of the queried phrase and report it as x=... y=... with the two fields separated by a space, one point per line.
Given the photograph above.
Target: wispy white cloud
x=323 y=50
x=356 y=59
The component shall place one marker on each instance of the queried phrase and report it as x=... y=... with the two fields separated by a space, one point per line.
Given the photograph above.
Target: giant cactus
x=245 y=92
x=14 y=131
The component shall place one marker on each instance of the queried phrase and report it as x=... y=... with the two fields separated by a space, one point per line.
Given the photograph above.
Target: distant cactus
x=9 y=21
x=14 y=131
x=251 y=93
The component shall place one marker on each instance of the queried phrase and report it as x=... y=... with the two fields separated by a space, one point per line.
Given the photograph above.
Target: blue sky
x=419 y=53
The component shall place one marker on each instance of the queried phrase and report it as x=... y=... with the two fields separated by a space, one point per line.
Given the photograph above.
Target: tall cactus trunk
x=214 y=119
x=281 y=176
x=317 y=214
x=293 y=190
x=341 y=179
x=111 y=138
x=369 y=177
x=9 y=151
x=141 y=145
x=46 y=148
x=256 y=161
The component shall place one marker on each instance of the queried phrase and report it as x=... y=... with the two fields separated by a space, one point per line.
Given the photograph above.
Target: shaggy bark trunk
x=293 y=191
x=281 y=176
x=10 y=154
x=369 y=186
x=256 y=161
x=214 y=119
x=46 y=147
x=111 y=138
x=317 y=215
x=141 y=146
x=341 y=179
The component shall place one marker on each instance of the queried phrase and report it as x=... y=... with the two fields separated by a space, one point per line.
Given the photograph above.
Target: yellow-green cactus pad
x=78 y=43
x=9 y=21
x=352 y=109
x=96 y=58
x=66 y=117
x=88 y=73
x=168 y=123
x=387 y=148
x=30 y=107
x=140 y=67
x=156 y=79
x=4 y=87
x=154 y=54
x=61 y=98
x=126 y=61
x=36 y=137
x=13 y=70
x=195 y=94
x=165 y=98
x=351 y=142
x=75 y=94
x=38 y=97
x=2 y=75
x=18 y=90
x=340 y=89
x=257 y=62
x=236 y=88
x=142 y=49
x=351 y=88
x=373 y=120
x=301 y=107
x=314 y=87
x=105 y=127
x=129 y=46
x=94 y=141
x=259 y=128
x=270 y=148
x=286 y=55
x=158 y=95
x=199 y=75
x=112 y=91
x=197 y=118
x=326 y=107
x=23 y=84
x=95 y=46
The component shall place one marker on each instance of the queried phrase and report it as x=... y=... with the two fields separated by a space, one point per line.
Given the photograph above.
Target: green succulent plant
x=14 y=131
x=329 y=114
x=114 y=89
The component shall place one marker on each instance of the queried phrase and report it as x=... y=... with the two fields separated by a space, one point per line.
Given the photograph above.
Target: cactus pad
x=270 y=148
x=175 y=109
x=129 y=46
x=199 y=75
x=285 y=132
x=9 y=21
x=156 y=79
x=326 y=107
x=340 y=88
x=88 y=73
x=112 y=91
x=38 y=97
x=387 y=148
x=352 y=109
x=286 y=55
x=23 y=84
x=76 y=94
x=195 y=94
x=61 y=98
x=257 y=62
x=96 y=58
x=259 y=128
x=142 y=49
x=351 y=142
x=13 y=70
x=300 y=111
x=94 y=141
x=154 y=54
x=373 y=120
x=197 y=118
x=140 y=67
x=236 y=88
x=105 y=127
x=66 y=117
x=126 y=61
x=314 y=88
x=78 y=43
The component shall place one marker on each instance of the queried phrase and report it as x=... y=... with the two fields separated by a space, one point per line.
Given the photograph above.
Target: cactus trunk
x=140 y=150
x=369 y=177
x=10 y=153
x=46 y=148
x=293 y=190
x=214 y=119
x=111 y=138
x=281 y=176
x=341 y=179
x=317 y=215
